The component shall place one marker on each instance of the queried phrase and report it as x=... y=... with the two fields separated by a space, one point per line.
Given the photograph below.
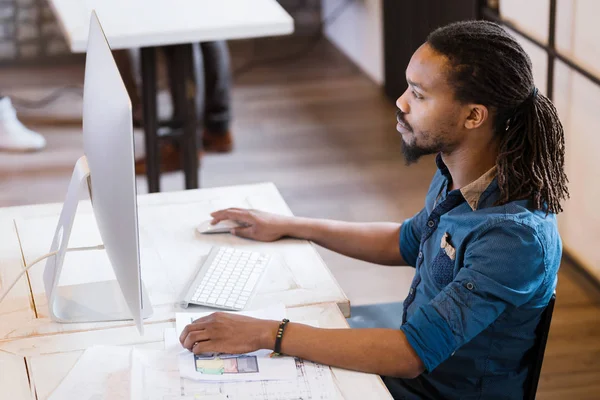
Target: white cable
x=37 y=260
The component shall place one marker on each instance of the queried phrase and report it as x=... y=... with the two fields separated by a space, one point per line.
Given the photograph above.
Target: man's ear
x=478 y=115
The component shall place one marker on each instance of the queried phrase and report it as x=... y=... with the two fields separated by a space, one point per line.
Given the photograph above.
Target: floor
x=325 y=135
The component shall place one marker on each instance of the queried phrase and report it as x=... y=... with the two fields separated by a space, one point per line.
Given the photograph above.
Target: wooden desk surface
x=170 y=248
x=33 y=367
x=150 y=23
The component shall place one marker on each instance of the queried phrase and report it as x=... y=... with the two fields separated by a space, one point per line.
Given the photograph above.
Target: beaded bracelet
x=279 y=337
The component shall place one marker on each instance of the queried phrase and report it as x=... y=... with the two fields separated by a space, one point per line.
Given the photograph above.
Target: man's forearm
x=377 y=351
x=376 y=242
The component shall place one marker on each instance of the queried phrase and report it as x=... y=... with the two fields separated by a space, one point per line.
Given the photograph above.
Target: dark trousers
x=212 y=70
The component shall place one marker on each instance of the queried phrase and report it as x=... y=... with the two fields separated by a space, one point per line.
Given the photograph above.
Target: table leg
x=187 y=91
x=149 y=93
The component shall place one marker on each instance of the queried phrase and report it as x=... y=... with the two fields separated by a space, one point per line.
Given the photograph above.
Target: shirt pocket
x=442 y=269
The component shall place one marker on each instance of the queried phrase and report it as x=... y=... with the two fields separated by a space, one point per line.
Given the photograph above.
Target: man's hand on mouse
x=257 y=225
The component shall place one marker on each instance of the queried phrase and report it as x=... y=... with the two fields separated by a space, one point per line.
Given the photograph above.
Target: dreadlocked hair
x=489 y=67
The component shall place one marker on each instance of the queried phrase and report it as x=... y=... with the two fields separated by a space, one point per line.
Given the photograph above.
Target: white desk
x=151 y=23
x=36 y=353
x=33 y=367
x=148 y=24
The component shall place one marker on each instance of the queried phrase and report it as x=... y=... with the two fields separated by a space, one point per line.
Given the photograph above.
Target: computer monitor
x=107 y=172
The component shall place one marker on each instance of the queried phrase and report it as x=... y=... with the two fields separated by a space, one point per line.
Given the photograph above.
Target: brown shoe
x=170 y=160
x=217 y=142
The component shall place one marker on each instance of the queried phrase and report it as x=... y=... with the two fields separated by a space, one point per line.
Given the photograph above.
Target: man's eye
x=417 y=95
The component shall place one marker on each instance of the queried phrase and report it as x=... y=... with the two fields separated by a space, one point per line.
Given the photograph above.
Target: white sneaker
x=14 y=136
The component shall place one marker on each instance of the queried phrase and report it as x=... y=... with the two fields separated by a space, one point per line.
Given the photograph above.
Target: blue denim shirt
x=484 y=274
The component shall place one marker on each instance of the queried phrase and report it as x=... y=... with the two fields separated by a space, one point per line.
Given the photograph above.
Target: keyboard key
x=252 y=281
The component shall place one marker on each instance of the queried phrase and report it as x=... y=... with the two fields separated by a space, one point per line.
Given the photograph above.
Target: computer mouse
x=221 y=227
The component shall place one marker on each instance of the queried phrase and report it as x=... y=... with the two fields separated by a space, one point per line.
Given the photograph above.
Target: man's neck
x=467 y=164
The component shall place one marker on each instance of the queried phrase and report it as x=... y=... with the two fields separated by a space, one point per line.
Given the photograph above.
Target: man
x=485 y=246
x=14 y=136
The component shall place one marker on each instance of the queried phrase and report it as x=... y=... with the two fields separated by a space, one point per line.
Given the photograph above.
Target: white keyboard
x=227 y=279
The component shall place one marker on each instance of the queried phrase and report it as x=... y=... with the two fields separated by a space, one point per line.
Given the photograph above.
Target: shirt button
x=412 y=290
x=430 y=224
x=470 y=286
x=420 y=254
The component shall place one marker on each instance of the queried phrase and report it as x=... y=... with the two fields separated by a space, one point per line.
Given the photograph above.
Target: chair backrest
x=538 y=350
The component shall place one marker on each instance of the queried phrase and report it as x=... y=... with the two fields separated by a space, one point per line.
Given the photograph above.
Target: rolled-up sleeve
x=410 y=237
x=503 y=267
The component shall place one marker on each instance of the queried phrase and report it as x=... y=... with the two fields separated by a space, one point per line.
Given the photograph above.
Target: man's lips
x=403 y=125
x=401 y=122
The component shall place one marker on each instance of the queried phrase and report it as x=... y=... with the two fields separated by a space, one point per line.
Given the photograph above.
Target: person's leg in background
x=217 y=97
x=212 y=68
x=212 y=73
x=14 y=136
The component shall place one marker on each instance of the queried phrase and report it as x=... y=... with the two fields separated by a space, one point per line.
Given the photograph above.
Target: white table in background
x=148 y=24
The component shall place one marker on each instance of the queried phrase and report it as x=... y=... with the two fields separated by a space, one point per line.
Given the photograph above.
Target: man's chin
x=412 y=153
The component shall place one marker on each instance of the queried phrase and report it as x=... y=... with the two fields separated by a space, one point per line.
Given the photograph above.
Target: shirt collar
x=473 y=191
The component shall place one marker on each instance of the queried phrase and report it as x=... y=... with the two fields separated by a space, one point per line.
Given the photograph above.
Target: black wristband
x=279 y=337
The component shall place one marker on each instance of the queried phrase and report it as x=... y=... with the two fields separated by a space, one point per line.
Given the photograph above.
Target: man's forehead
x=427 y=68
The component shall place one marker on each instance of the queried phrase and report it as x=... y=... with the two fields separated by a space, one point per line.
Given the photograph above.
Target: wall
x=578 y=102
x=306 y=15
x=358 y=33
x=29 y=33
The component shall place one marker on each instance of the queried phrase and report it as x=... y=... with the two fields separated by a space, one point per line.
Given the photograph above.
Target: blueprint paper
x=155 y=376
x=313 y=382
x=158 y=379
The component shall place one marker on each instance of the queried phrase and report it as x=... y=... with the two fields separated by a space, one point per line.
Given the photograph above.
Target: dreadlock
x=489 y=67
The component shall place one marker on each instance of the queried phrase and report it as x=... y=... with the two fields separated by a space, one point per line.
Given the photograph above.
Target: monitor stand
x=88 y=302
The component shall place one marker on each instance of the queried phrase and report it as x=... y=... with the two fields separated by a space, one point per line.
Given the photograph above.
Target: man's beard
x=413 y=152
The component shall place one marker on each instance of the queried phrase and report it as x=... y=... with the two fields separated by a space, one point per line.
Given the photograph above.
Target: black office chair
x=538 y=350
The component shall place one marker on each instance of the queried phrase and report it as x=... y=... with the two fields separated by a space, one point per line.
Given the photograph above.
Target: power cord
x=327 y=21
x=44 y=101
x=37 y=260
